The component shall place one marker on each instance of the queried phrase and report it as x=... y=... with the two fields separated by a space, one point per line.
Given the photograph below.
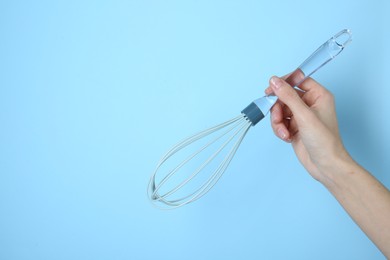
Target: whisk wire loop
x=216 y=174
x=239 y=122
x=204 y=164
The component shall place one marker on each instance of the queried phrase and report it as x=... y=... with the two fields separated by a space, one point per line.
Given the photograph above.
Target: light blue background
x=92 y=93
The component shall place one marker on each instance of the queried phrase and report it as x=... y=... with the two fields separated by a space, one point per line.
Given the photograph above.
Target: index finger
x=310 y=84
x=292 y=78
x=295 y=77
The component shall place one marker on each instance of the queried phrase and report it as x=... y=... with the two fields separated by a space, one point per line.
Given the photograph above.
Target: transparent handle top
x=326 y=52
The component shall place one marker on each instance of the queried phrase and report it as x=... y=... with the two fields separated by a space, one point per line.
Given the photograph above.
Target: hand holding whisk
x=200 y=167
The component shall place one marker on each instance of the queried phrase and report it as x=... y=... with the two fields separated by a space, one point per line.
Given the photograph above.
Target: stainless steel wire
x=236 y=128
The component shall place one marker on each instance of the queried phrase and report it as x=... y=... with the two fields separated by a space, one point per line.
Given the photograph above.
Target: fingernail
x=282 y=134
x=276 y=82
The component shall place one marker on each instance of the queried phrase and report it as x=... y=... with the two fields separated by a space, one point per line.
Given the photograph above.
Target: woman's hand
x=307 y=119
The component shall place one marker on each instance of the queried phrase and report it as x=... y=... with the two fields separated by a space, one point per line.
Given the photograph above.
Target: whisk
x=167 y=191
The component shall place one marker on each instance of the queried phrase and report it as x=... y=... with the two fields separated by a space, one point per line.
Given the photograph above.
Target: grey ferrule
x=253 y=113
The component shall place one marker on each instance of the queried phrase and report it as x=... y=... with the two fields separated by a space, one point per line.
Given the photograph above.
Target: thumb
x=288 y=95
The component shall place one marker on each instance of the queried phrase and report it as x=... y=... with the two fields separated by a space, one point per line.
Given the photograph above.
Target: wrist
x=338 y=171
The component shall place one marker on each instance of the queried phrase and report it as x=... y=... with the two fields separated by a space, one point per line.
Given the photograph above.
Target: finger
x=288 y=96
x=294 y=78
x=278 y=122
x=310 y=84
x=315 y=94
x=268 y=90
x=310 y=98
x=293 y=127
x=286 y=111
x=287 y=75
x=276 y=113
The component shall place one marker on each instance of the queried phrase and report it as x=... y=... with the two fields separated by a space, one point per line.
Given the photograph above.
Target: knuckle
x=290 y=92
x=327 y=95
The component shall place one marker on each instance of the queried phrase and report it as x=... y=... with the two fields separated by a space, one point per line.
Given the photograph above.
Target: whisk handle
x=259 y=108
x=253 y=113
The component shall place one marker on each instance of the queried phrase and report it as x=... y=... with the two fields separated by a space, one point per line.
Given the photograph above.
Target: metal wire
x=237 y=128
